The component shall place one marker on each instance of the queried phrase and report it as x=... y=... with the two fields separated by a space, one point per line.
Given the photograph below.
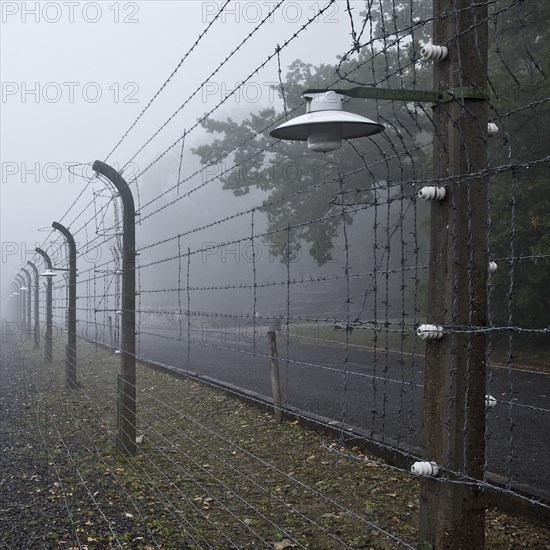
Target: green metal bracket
x=421 y=96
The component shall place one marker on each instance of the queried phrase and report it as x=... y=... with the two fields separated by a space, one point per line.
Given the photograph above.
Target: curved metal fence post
x=28 y=327
x=22 y=308
x=48 y=337
x=126 y=440
x=36 y=304
x=70 y=362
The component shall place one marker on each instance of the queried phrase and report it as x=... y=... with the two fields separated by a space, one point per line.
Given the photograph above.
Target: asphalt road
x=381 y=393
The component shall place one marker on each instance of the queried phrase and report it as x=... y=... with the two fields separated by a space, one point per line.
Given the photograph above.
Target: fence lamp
x=48 y=273
x=326 y=124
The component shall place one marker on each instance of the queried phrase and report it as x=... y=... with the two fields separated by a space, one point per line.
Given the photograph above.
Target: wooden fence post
x=275 y=381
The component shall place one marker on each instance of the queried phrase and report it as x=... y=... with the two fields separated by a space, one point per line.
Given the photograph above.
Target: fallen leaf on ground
x=285 y=543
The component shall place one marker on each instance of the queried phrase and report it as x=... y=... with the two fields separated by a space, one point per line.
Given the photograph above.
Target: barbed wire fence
x=334 y=257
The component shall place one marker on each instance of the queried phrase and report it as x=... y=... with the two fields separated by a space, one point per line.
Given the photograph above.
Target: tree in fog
x=519 y=65
x=283 y=168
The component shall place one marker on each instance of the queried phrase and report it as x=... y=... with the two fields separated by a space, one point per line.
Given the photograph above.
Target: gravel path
x=30 y=513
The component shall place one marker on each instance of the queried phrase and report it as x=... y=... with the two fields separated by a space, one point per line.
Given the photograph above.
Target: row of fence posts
x=23 y=311
x=451 y=514
x=126 y=395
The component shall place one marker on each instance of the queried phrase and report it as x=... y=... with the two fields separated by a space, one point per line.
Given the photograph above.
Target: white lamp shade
x=48 y=273
x=325 y=130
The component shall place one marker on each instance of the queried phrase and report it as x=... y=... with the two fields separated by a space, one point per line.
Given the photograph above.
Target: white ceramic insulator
x=490 y=401
x=430 y=469
x=430 y=332
x=432 y=193
x=492 y=266
x=437 y=53
x=492 y=129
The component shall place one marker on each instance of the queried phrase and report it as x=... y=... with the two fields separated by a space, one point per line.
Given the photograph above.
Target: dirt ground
x=210 y=472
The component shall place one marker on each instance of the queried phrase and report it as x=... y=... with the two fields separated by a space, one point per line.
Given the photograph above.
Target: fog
x=75 y=79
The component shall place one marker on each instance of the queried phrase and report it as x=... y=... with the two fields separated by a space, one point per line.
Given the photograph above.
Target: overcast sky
x=75 y=75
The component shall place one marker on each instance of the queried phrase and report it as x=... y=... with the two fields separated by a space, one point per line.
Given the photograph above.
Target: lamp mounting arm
x=400 y=94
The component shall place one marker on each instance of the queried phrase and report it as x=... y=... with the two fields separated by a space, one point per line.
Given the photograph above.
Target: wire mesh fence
x=240 y=234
